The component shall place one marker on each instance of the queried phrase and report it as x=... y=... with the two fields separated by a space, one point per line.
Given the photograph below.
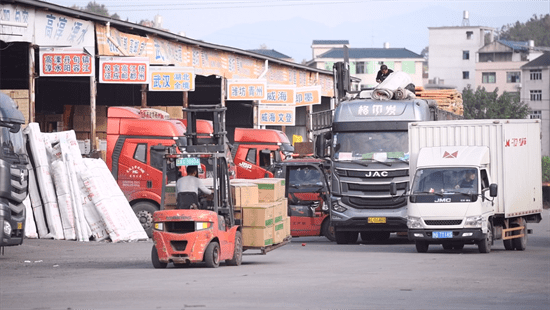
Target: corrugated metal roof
x=329 y=42
x=541 y=61
x=515 y=45
x=371 y=53
x=270 y=53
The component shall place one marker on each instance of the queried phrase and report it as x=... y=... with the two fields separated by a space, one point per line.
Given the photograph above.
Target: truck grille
x=442 y=222
x=375 y=203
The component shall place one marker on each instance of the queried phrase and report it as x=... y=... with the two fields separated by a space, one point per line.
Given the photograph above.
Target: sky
x=289 y=26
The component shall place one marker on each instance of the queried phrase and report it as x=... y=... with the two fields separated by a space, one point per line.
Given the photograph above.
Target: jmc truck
x=369 y=150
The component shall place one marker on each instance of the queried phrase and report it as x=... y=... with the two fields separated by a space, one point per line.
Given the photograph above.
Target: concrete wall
x=543 y=105
x=500 y=69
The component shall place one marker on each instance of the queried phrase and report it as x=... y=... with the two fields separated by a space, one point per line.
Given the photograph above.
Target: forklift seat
x=187 y=200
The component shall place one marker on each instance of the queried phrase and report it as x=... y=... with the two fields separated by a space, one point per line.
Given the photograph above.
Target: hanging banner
x=53 y=29
x=171 y=79
x=280 y=94
x=118 y=43
x=124 y=70
x=308 y=96
x=276 y=116
x=17 y=23
x=66 y=62
x=246 y=89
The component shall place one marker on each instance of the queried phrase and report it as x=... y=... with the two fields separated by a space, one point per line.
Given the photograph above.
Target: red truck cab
x=134 y=165
x=255 y=150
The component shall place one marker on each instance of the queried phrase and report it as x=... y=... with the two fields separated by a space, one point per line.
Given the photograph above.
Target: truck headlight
x=338 y=207
x=159 y=226
x=414 y=222
x=473 y=221
x=7 y=228
x=202 y=225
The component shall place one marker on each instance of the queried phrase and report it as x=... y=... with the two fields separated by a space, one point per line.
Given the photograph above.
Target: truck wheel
x=238 y=253
x=484 y=245
x=327 y=230
x=508 y=244
x=144 y=212
x=212 y=255
x=155 y=259
x=520 y=244
x=422 y=246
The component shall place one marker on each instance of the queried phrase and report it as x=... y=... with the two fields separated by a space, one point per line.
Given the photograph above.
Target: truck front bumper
x=458 y=235
x=17 y=224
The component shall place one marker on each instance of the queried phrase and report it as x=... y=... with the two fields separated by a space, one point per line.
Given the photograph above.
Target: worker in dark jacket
x=383 y=73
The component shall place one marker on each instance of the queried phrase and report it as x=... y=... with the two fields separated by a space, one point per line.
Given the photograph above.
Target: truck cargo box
x=514 y=147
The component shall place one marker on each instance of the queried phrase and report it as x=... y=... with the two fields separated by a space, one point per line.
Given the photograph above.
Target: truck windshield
x=12 y=143
x=445 y=181
x=381 y=146
x=304 y=176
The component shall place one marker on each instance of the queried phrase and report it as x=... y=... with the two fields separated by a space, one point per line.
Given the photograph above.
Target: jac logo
x=450 y=155
x=515 y=142
x=376 y=174
x=443 y=200
x=246 y=166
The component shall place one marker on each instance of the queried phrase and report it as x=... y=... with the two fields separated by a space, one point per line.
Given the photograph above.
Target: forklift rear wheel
x=422 y=246
x=212 y=255
x=238 y=254
x=144 y=212
x=328 y=230
x=155 y=259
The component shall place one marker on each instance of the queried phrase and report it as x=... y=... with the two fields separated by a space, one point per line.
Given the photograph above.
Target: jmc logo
x=376 y=174
x=443 y=200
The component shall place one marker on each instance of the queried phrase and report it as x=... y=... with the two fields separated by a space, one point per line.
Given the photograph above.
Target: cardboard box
x=287 y=226
x=175 y=112
x=257 y=236
x=244 y=194
x=280 y=211
x=259 y=215
x=170 y=195
x=270 y=189
x=279 y=232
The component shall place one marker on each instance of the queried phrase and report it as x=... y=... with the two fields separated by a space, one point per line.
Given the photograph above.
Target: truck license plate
x=376 y=220
x=442 y=234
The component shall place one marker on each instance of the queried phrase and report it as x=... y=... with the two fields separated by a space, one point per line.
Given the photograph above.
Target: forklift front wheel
x=238 y=253
x=327 y=230
x=212 y=255
x=155 y=259
x=144 y=212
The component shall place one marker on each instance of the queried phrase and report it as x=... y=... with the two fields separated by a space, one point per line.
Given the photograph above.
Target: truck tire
x=422 y=246
x=144 y=212
x=485 y=244
x=212 y=255
x=238 y=252
x=155 y=259
x=520 y=244
x=327 y=230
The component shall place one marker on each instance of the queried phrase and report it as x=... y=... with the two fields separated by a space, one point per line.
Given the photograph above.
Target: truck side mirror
x=493 y=190
x=393 y=189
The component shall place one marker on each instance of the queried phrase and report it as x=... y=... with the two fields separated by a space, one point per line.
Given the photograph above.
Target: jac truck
x=255 y=150
x=14 y=174
x=475 y=181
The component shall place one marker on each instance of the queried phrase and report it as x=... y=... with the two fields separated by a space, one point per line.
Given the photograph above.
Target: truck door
x=253 y=161
x=132 y=166
x=485 y=197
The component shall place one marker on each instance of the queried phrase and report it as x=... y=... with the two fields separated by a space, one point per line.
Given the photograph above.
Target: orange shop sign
x=171 y=79
x=276 y=116
x=124 y=70
x=59 y=62
x=308 y=95
x=280 y=94
x=246 y=89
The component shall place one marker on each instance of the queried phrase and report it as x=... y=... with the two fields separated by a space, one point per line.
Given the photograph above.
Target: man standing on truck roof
x=191 y=182
x=383 y=73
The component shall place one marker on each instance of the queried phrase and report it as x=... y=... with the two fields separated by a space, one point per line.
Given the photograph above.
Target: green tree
x=96 y=8
x=481 y=104
x=537 y=29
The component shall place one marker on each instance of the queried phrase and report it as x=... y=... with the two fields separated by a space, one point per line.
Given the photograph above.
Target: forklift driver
x=192 y=184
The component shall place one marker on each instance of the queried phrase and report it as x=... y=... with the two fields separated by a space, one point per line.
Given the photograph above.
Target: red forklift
x=198 y=229
x=308 y=192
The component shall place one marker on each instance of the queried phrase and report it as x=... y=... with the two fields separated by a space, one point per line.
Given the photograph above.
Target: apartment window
x=465 y=55
x=465 y=75
x=536 y=114
x=536 y=74
x=513 y=77
x=536 y=95
x=469 y=35
x=360 y=67
x=488 y=77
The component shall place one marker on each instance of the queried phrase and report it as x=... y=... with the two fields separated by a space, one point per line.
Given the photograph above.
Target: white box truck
x=473 y=182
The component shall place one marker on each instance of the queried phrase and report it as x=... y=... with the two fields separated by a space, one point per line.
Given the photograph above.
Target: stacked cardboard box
x=262 y=208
